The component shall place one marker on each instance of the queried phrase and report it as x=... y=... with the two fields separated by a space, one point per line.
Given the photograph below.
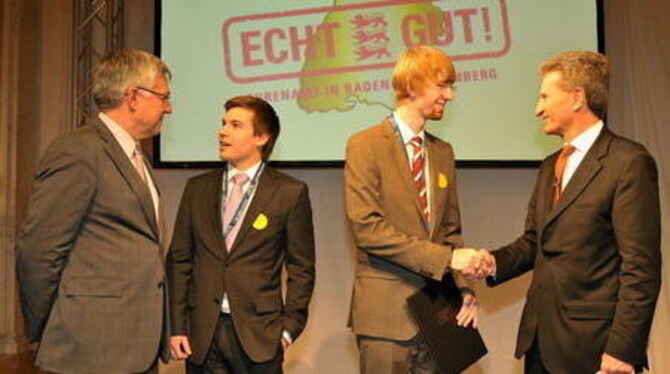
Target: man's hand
x=473 y=264
x=611 y=365
x=467 y=316
x=180 y=347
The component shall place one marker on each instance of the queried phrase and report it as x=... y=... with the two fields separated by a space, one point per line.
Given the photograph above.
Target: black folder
x=434 y=310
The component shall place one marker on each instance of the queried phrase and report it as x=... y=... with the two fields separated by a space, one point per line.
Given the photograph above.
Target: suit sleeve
x=636 y=224
x=299 y=264
x=64 y=188
x=451 y=223
x=180 y=264
x=373 y=232
x=518 y=257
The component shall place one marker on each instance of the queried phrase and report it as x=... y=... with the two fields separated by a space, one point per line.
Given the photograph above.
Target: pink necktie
x=138 y=162
x=418 y=175
x=233 y=201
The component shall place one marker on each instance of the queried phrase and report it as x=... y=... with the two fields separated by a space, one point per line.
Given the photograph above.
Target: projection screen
x=325 y=66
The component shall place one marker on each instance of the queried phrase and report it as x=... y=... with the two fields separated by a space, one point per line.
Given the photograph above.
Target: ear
x=132 y=99
x=579 y=99
x=412 y=92
x=262 y=139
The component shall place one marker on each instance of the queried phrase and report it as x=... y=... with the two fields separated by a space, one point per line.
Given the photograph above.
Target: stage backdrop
x=325 y=67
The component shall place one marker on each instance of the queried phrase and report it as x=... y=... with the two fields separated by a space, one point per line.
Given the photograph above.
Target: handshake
x=474 y=264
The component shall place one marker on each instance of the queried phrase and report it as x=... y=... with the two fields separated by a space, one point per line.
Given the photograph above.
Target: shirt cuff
x=287 y=337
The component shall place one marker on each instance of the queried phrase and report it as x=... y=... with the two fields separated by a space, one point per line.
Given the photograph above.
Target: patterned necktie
x=418 y=175
x=233 y=201
x=138 y=162
x=559 y=169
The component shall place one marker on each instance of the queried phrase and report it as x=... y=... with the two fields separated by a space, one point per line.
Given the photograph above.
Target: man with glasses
x=90 y=260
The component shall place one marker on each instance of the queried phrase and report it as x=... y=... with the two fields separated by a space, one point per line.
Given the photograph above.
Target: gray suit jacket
x=596 y=259
x=397 y=255
x=90 y=266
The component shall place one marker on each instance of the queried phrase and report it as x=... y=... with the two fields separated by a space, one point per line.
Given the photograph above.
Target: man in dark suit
x=89 y=262
x=592 y=235
x=236 y=229
x=402 y=205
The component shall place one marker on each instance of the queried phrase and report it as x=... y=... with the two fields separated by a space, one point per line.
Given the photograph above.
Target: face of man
x=432 y=100
x=556 y=106
x=152 y=103
x=237 y=142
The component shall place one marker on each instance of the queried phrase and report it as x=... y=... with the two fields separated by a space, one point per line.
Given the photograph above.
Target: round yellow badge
x=261 y=222
x=442 y=181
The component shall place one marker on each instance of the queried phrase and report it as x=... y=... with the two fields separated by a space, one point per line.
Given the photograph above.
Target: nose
x=539 y=109
x=168 y=106
x=449 y=93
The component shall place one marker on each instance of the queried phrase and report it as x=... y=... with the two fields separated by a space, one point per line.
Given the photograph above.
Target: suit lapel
x=438 y=196
x=400 y=162
x=267 y=186
x=122 y=162
x=213 y=205
x=586 y=171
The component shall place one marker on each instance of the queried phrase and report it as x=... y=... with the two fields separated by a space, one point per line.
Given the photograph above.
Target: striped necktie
x=418 y=175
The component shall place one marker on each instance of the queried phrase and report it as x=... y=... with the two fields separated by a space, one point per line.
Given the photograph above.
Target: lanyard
x=245 y=198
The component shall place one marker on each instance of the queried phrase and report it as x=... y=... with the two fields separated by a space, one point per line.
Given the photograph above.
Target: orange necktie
x=559 y=169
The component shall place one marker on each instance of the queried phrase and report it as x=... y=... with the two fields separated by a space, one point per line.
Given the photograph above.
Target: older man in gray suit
x=90 y=263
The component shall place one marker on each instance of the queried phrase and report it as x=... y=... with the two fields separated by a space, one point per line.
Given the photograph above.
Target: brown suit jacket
x=201 y=268
x=396 y=254
x=89 y=263
x=595 y=257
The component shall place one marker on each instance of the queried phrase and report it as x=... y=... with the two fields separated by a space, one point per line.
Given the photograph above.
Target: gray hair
x=122 y=69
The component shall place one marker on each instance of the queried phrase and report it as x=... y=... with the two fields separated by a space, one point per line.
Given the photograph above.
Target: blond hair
x=586 y=70
x=121 y=70
x=419 y=67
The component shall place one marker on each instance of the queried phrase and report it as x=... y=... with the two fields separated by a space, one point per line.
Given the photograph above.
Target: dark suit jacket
x=201 y=268
x=89 y=261
x=397 y=254
x=596 y=259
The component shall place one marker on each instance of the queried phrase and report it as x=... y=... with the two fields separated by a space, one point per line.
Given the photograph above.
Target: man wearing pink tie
x=91 y=257
x=236 y=229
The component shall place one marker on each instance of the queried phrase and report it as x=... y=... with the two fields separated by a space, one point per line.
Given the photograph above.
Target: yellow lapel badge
x=442 y=181
x=261 y=222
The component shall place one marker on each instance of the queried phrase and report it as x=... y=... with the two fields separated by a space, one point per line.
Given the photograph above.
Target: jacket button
x=217 y=301
x=161 y=284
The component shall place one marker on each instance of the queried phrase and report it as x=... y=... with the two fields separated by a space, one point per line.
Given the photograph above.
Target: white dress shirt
x=128 y=144
x=582 y=144
x=250 y=172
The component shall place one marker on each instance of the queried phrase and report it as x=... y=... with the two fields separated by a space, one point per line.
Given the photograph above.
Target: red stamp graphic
x=359 y=37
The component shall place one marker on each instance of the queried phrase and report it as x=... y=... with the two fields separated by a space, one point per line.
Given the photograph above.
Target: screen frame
x=473 y=164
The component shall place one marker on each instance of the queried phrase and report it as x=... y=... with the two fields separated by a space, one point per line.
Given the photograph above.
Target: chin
x=550 y=130
x=436 y=116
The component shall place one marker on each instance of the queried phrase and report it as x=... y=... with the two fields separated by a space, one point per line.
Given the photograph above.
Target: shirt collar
x=122 y=136
x=250 y=172
x=585 y=140
x=406 y=132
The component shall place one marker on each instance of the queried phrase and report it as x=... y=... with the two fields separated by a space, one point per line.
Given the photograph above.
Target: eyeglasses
x=162 y=96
